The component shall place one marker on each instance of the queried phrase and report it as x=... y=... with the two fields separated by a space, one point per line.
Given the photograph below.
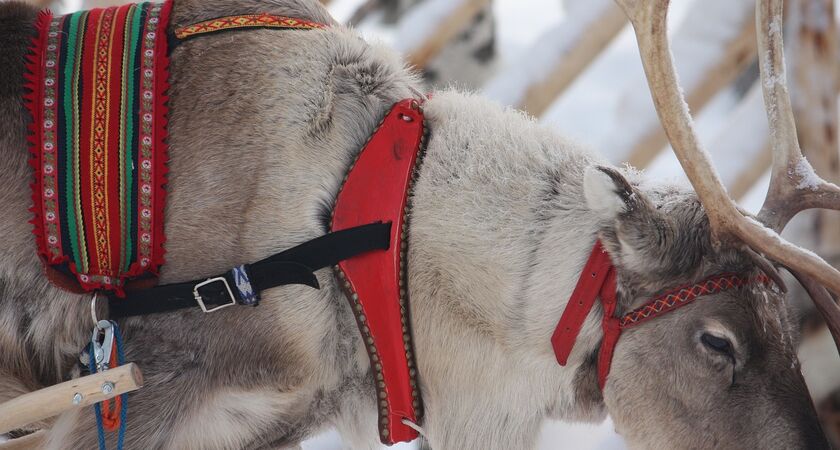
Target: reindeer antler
x=794 y=186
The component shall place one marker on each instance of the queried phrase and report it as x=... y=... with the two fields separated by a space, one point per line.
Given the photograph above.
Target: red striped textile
x=97 y=82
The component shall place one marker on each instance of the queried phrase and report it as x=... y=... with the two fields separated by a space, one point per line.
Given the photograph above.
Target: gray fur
x=263 y=126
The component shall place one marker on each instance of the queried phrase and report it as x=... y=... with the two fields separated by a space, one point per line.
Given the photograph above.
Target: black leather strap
x=243 y=284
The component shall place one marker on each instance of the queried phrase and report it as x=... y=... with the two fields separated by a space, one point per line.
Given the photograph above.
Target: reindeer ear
x=638 y=237
x=607 y=192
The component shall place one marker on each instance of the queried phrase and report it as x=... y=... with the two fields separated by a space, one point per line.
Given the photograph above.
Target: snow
x=737 y=138
x=342 y=10
x=697 y=47
x=808 y=179
x=537 y=62
x=754 y=198
x=592 y=111
x=553 y=436
x=421 y=21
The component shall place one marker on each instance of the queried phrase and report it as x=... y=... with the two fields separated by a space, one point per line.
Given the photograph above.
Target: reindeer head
x=722 y=373
x=719 y=373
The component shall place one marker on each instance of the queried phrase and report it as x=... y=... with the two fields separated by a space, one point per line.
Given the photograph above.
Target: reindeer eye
x=718 y=344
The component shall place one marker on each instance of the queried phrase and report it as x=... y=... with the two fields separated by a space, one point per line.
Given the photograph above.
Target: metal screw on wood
x=107 y=388
x=77 y=398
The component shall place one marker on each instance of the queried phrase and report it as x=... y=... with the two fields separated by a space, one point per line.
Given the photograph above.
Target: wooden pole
x=739 y=54
x=419 y=54
x=78 y=393
x=573 y=59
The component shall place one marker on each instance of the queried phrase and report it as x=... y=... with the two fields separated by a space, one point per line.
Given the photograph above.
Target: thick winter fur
x=264 y=124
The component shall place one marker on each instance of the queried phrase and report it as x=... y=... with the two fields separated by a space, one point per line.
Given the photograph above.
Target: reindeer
x=263 y=127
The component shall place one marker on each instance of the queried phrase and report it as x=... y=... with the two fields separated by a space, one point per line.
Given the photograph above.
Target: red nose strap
x=599 y=280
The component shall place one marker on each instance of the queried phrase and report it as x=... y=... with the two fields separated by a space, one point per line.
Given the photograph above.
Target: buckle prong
x=200 y=300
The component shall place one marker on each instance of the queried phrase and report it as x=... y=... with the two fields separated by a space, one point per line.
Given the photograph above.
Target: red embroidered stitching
x=687 y=294
x=244 y=21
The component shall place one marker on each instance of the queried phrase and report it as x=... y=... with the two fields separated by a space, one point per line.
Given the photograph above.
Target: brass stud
x=362 y=318
x=378 y=367
x=382 y=394
x=381 y=384
x=383 y=403
x=402 y=293
x=374 y=357
x=384 y=412
x=379 y=376
x=385 y=432
x=412 y=372
x=370 y=340
x=355 y=296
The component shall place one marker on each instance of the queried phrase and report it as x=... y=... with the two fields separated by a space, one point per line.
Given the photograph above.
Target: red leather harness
x=598 y=279
x=376 y=190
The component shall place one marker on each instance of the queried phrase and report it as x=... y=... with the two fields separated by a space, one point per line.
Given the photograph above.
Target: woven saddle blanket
x=97 y=82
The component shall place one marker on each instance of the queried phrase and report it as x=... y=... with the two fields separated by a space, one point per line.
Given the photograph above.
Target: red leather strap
x=376 y=190
x=599 y=280
x=589 y=285
x=611 y=327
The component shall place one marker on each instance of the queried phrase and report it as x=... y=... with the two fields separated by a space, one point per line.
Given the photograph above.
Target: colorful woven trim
x=684 y=295
x=98 y=80
x=244 y=21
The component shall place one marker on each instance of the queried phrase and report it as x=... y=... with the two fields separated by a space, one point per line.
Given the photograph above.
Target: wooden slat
x=434 y=40
x=739 y=54
x=573 y=59
x=740 y=149
x=54 y=400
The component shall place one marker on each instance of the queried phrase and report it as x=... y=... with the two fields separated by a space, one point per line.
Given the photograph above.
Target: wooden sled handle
x=54 y=400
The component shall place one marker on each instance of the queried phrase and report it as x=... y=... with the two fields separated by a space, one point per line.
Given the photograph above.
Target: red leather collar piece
x=598 y=279
x=376 y=190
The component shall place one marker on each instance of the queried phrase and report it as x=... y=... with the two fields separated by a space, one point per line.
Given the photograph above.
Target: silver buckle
x=200 y=301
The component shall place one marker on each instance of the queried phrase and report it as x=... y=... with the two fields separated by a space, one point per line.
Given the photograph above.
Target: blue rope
x=123 y=397
x=97 y=408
